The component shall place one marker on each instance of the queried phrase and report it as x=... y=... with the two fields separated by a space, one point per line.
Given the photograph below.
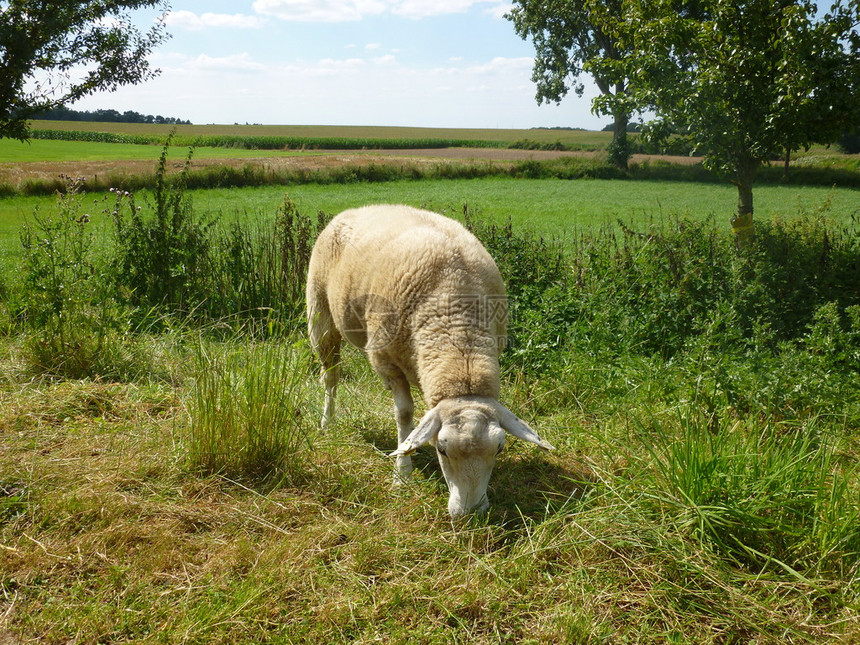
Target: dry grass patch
x=107 y=535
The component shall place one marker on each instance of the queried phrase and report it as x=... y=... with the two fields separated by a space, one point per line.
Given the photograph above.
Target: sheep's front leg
x=329 y=378
x=404 y=410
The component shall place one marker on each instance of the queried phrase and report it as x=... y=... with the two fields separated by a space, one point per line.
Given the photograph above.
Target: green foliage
x=76 y=329
x=160 y=259
x=849 y=142
x=742 y=82
x=44 y=41
x=258 y=271
x=535 y=272
x=682 y=291
x=249 y=415
x=569 y=40
x=169 y=260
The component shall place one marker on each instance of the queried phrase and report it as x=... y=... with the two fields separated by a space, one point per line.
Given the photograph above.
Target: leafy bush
x=769 y=331
x=534 y=269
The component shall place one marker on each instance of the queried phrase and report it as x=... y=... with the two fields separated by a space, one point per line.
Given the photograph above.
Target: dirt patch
x=17 y=173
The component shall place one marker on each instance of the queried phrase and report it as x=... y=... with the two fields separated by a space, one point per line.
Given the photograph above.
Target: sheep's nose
x=458 y=511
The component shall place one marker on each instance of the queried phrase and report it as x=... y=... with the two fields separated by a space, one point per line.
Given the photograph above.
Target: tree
x=53 y=53
x=566 y=37
x=744 y=80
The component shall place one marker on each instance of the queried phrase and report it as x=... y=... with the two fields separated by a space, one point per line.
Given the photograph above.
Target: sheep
x=425 y=301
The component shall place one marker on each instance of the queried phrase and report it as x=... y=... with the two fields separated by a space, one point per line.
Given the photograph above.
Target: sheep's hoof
x=402 y=475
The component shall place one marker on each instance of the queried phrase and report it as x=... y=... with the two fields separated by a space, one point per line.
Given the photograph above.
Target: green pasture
x=547 y=206
x=551 y=207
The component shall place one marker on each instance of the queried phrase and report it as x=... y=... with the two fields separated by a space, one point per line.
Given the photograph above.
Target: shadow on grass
x=526 y=485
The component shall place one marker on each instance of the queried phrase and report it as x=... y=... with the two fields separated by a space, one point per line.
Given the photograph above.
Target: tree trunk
x=742 y=224
x=619 y=149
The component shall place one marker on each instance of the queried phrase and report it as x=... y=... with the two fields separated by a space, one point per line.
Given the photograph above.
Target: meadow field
x=163 y=478
x=574 y=138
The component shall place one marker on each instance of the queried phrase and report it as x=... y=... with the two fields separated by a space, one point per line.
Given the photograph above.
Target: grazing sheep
x=423 y=298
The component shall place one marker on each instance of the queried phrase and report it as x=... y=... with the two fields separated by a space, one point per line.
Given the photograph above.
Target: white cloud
x=193 y=22
x=424 y=8
x=319 y=10
x=502 y=65
x=330 y=67
x=498 y=12
x=235 y=62
x=350 y=10
x=499 y=66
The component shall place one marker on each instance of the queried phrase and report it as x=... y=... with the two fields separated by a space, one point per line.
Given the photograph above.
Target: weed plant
x=258 y=270
x=173 y=262
x=160 y=259
x=75 y=328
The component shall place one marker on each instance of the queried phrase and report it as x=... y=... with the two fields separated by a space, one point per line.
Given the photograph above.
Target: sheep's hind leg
x=404 y=410
x=326 y=340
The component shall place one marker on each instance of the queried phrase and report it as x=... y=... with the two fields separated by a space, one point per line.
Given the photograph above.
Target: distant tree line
x=631 y=127
x=106 y=116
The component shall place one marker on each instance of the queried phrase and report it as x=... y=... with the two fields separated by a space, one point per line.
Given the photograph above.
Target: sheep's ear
x=425 y=431
x=517 y=427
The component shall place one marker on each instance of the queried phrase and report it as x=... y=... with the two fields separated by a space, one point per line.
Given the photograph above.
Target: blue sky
x=432 y=63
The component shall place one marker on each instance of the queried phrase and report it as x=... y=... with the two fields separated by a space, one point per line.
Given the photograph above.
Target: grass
x=705 y=406
x=555 y=208
x=109 y=535
x=548 y=206
x=248 y=414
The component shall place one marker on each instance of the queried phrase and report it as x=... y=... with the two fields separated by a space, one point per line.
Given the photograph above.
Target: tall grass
x=168 y=259
x=769 y=497
x=249 y=413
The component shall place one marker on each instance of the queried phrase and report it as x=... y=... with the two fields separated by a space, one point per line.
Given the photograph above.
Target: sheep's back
x=403 y=253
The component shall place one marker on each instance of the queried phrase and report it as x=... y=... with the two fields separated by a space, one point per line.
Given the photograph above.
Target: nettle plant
x=74 y=321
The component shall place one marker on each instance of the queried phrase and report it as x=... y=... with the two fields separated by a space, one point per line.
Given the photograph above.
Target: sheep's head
x=468 y=433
